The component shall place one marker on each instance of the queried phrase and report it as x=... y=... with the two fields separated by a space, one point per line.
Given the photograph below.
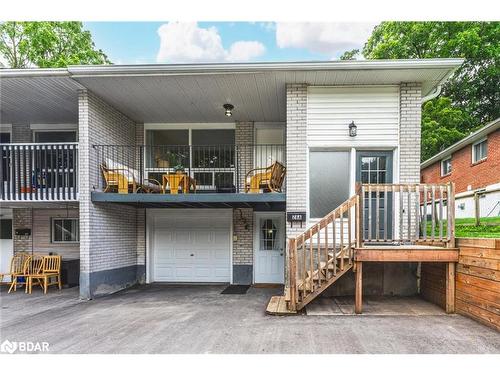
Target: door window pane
x=268 y=234
x=328 y=181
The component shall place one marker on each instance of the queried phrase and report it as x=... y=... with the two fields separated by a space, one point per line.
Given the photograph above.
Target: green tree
x=47 y=44
x=473 y=89
x=350 y=55
x=442 y=125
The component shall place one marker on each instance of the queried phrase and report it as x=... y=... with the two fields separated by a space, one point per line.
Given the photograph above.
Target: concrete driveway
x=198 y=319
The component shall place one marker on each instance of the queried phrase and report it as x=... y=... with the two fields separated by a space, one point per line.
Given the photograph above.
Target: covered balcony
x=191 y=176
x=39 y=172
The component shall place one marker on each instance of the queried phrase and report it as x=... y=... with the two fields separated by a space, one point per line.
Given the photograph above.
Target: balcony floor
x=261 y=202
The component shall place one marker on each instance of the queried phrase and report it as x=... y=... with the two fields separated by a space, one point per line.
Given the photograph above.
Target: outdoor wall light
x=228 y=109
x=353 y=129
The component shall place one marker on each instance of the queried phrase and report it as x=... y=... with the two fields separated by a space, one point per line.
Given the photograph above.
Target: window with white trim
x=445 y=167
x=479 y=151
x=65 y=230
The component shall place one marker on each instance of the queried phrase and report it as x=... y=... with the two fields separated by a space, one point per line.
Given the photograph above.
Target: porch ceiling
x=261 y=202
x=196 y=92
x=51 y=98
x=257 y=95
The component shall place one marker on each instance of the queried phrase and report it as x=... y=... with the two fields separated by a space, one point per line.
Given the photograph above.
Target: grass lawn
x=489 y=228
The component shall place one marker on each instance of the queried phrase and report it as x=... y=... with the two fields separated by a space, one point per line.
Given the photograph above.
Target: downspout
x=432 y=95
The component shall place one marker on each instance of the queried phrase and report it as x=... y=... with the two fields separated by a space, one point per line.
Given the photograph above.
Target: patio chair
x=50 y=270
x=268 y=178
x=118 y=178
x=32 y=266
x=16 y=267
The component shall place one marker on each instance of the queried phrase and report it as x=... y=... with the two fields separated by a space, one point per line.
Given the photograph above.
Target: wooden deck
x=406 y=253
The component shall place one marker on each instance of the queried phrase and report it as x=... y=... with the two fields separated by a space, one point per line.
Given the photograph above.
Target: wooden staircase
x=318 y=257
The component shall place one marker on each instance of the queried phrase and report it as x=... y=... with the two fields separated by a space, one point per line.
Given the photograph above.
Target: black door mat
x=236 y=289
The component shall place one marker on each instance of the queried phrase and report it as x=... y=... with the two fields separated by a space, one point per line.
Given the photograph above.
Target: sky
x=192 y=42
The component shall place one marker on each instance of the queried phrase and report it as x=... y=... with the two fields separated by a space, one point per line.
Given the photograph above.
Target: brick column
x=296 y=152
x=409 y=140
x=22 y=218
x=243 y=246
x=296 y=157
x=244 y=142
x=108 y=232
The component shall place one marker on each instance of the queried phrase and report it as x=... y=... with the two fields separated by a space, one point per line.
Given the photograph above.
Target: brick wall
x=22 y=218
x=108 y=233
x=296 y=152
x=244 y=139
x=243 y=230
x=463 y=172
x=21 y=133
x=409 y=132
x=409 y=140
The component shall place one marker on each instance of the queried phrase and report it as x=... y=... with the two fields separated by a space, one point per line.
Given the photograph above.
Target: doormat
x=236 y=289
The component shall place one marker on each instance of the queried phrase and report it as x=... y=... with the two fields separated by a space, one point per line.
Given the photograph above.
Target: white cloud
x=245 y=50
x=187 y=42
x=331 y=39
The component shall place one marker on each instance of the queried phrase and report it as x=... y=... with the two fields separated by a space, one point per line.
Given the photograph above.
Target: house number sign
x=296 y=217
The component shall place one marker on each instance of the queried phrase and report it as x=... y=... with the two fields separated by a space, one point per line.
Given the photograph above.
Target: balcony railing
x=173 y=169
x=39 y=172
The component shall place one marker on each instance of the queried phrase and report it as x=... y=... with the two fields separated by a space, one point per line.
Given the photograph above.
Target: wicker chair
x=50 y=270
x=270 y=178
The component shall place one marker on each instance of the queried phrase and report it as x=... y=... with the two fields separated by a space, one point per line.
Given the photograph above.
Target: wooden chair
x=16 y=267
x=51 y=269
x=32 y=266
x=270 y=178
x=118 y=178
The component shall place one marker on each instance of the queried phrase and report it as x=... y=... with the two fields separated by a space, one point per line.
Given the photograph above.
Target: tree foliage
x=350 y=55
x=47 y=44
x=474 y=88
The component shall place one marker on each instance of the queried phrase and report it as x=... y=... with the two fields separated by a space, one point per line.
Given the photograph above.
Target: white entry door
x=6 y=245
x=191 y=245
x=269 y=248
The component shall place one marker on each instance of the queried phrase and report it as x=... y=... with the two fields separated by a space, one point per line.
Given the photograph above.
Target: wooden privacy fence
x=477 y=280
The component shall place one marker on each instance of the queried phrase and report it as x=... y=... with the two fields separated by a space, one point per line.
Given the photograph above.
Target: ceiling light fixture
x=228 y=109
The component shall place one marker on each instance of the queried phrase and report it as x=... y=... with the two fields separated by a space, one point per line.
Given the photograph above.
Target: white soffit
x=38 y=99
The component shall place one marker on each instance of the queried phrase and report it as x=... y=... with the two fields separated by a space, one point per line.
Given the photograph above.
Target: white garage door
x=191 y=245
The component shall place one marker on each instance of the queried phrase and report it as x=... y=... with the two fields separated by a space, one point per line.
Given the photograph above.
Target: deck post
x=358 y=306
x=292 y=273
x=450 y=287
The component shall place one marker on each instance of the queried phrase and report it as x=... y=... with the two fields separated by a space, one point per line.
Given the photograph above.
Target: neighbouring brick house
x=473 y=165
x=165 y=127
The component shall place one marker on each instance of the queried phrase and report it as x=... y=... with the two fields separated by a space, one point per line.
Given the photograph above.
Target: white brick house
x=149 y=119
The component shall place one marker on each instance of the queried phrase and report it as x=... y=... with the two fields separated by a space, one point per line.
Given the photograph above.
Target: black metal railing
x=39 y=171
x=181 y=168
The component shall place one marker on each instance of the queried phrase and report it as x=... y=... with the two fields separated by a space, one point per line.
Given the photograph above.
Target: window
x=445 y=167
x=5 y=229
x=328 y=181
x=55 y=136
x=65 y=230
x=268 y=237
x=479 y=151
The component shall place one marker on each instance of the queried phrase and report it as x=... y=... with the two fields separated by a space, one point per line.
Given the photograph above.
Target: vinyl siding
x=374 y=110
x=42 y=233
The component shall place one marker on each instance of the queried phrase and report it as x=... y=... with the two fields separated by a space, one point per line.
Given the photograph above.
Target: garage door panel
x=205 y=235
